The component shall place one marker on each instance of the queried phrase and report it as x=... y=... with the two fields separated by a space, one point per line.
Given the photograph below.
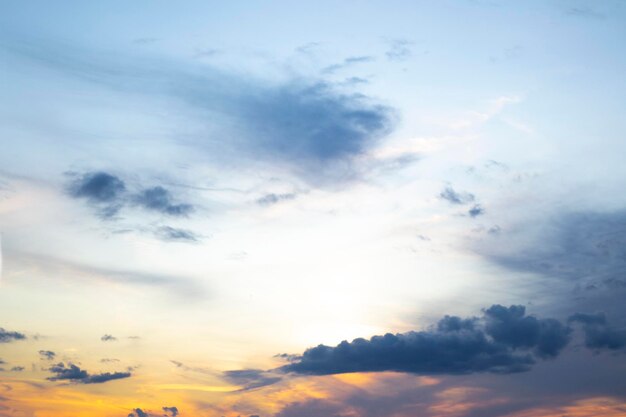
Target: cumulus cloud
x=9 y=336
x=169 y=412
x=504 y=340
x=108 y=338
x=73 y=373
x=47 y=354
x=455 y=197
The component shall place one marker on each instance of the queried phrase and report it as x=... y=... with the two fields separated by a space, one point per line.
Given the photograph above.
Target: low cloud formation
x=598 y=333
x=73 y=373
x=47 y=354
x=504 y=340
x=108 y=338
x=455 y=197
x=9 y=336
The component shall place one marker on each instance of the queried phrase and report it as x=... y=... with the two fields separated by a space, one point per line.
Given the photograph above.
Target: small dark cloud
x=454 y=197
x=99 y=187
x=400 y=50
x=271 y=199
x=476 y=211
x=173 y=234
x=138 y=412
x=251 y=378
x=17 y=369
x=172 y=410
x=109 y=360
x=8 y=336
x=108 y=338
x=47 y=354
x=288 y=357
x=598 y=333
x=159 y=199
x=73 y=373
x=504 y=340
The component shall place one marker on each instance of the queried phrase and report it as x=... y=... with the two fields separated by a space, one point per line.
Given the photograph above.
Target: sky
x=312 y=209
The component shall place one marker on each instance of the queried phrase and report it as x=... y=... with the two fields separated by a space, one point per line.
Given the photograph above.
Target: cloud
x=172 y=410
x=504 y=340
x=73 y=373
x=251 y=378
x=8 y=336
x=159 y=199
x=108 y=338
x=271 y=199
x=598 y=333
x=400 y=50
x=17 y=369
x=511 y=326
x=455 y=197
x=99 y=187
x=476 y=211
x=587 y=249
x=348 y=62
x=110 y=194
x=47 y=354
x=173 y=234
x=306 y=125
x=138 y=412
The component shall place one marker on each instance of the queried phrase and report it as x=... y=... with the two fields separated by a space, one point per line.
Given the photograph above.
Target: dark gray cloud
x=109 y=194
x=251 y=378
x=159 y=199
x=9 y=336
x=598 y=333
x=138 y=412
x=454 y=197
x=73 y=373
x=511 y=326
x=17 y=369
x=173 y=234
x=108 y=338
x=270 y=199
x=47 y=354
x=454 y=346
x=100 y=187
x=304 y=124
x=476 y=211
x=172 y=410
x=314 y=408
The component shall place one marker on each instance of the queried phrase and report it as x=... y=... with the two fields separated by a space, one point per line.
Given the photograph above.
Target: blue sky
x=329 y=208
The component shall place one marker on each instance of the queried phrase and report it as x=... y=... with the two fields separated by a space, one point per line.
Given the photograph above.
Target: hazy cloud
x=47 y=354
x=8 y=336
x=454 y=197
